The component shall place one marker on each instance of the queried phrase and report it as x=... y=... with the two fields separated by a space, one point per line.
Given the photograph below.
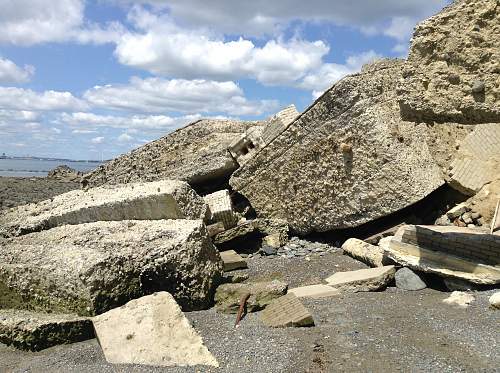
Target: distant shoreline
x=51 y=159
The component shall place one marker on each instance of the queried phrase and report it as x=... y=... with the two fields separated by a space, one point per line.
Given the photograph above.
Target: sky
x=91 y=79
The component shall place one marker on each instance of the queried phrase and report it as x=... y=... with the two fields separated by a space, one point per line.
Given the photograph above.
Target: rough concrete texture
x=286 y=311
x=365 y=252
x=165 y=199
x=459 y=298
x=406 y=279
x=363 y=279
x=196 y=153
x=89 y=268
x=151 y=330
x=35 y=331
x=232 y=260
x=314 y=291
x=452 y=72
x=478 y=160
x=278 y=122
x=261 y=226
x=442 y=264
x=228 y=296
x=221 y=208
x=495 y=300
x=347 y=160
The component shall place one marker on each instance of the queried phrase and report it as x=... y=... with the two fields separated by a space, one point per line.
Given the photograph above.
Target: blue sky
x=90 y=79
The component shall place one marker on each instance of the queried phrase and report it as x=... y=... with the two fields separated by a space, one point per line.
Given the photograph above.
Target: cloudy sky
x=81 y=78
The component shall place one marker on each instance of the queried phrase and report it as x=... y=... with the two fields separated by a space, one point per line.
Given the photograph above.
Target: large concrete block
x=165 y=199
x=89 y=268
x=452 y=71
x=151 y=330
x=347 y=160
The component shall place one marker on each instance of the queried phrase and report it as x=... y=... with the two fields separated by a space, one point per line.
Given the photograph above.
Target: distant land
x=4 y=156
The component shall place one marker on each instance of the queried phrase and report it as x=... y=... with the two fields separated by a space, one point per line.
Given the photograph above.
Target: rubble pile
x=180 y=223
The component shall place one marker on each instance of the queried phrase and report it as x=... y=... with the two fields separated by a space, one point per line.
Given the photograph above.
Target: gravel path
x=385 y=331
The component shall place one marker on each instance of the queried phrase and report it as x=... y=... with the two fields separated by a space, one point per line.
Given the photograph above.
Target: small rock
x=406 y=279
x=466 y=218
x=459 y=298
x=268 y=250
x=495 y=300
x=478 y=86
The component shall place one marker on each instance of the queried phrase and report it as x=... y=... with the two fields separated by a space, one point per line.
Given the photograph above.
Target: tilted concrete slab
x=151 y=330
x=314 y=291
x=232 y=260
x=36 y=331
x=286 y=311
x=89 y=268
x=363 y=279
x=166 y=199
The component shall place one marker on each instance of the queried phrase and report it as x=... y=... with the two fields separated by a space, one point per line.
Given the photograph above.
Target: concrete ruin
x=221 y=208
x=363 y=279
x=286 y=311
x=165 y=199
x=90 y=268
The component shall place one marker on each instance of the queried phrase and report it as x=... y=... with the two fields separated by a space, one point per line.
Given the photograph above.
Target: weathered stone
x=228 y=296
x=235 y=277
x=451 y=45
x=268 y=250
x=360 y=250
x=221 y=208
x=303 y=177
x=65 y=173
x=363 y=279
x=278 y=123
x=232 y=260
x=261 y=226
x=215 y=229
x=34 y=331
x=196 y=153
x=275 y=240
x=151 y=330
x=89 y=268
x=314 y=291
x=457 y=211
x=495 y=300
x=478 y=160
x=286 y=311
x=166 y=199
x=406 y=279
x=443 y=264
x=459 y=298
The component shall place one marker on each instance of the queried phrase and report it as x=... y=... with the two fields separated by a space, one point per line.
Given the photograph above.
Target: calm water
x=38 y=168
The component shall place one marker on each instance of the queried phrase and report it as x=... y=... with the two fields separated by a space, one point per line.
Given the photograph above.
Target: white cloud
x=125 y=137
x=97 y=140
x=12 y=98
x=11 y=73
x=400 y=28
x=156 y=95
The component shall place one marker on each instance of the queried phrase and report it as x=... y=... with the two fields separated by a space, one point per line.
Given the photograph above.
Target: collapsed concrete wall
x=165 y=199
x=346 y=160
x=90 y=268
x=453 y=72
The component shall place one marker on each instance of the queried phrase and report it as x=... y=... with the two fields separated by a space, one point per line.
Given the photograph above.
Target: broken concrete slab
x=286 y=311
x=406 y=279
x=443 y=264
x=363 y=279
x=89 y=268
x=495 y=300
x=232 y=260
x=314 y=291
x=165 y=199
x=228 y=296
x=196 y=153
x=451 y=74
x=460 y=298
x=221 y=208
x=151 y=330
x=365 y=252
x=313 y=174
x=34 y=331
x=263 y=227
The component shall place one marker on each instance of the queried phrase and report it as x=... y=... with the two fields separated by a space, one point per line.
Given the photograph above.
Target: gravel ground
x=385 y=331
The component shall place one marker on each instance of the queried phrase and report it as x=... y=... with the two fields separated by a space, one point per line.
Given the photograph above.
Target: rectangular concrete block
x=166 y=199
x=286 y=311
x=221 y=208
x=363 y=279
x=232 y=260
x=314 y=291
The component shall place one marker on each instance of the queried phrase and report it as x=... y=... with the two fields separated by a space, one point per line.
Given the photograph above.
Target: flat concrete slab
x=314 y=291
x=286 y=311
x=362 y=280
x=151 y=330
x=232 y=260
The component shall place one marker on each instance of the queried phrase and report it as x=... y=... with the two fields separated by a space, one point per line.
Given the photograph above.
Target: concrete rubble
x=365 y=252
x=286 y=311
x=460 y=299
x=314 y=291
x=151 y=330
x=165 y=199
x=232 y=260
x=90 y=268
x=495 y=301
x=221 y=208
x=362 y=280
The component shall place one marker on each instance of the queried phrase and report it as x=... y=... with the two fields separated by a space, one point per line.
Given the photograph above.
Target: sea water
x=39 y=168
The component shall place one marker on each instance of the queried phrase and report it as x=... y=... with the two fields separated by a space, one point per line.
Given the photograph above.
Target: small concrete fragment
x=286 y=311
x=314 y=291
x=363 y=251
x=459 y=298
x=406 y=279
x=166 y=199
x=34 y=331
x=363 y=279
x=228 y=296
x=457 y=211
x=495 y=300
x=232 y=260
x=221 y=208
x=151 y=330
